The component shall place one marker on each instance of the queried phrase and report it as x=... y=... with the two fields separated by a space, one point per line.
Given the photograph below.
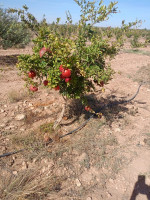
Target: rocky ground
x=108 y=159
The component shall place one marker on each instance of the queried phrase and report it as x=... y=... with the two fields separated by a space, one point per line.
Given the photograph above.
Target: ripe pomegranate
x=57 y=87
x=67 y=80
x=62 y=77
x=45 y=82
x=61 y=68
x=31 y=74
x=33 y=88
x=87 y=108
x=102 y=83
x=66 y=73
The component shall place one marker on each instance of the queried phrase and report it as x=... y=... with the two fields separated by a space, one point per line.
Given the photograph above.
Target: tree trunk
x=59 y=119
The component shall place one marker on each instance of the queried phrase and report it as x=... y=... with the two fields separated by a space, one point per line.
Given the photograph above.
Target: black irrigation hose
x=10 y=153
x=99 y=110
x=85 y=122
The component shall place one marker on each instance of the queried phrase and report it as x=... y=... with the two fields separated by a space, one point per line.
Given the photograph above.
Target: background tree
x=12 y=32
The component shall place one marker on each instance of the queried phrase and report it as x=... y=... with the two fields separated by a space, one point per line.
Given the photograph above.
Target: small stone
x=34 y=160
x=24 y=165
x=22 y=129
x=14 y=158
x=15 y=172
x=2 y=111
x=5 y=114
x=8 y=128
x=30 y=104
x=142 y=143
x=117 y=130
x=46 y=107
x=16 y=107
x=46 y=138
x=55 y=105
x=43 y=169
x=5 y=106
x=78 y=183
x=20 y=117
x=89 y=198
x=2 y=125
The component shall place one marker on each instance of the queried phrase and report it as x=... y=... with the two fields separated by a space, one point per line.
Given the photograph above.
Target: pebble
x=46 y=138
x=2 y=111
x=20 y=117
x=89 y=198
x=5 y=106
x=15 y=172
x=24 y=165
x=2 y=125
x=34 y=160
x=16 y=107
x=22 y=129
x=117 y=130
x=8 y=128
x=55 y=105
x=78 y=183
x=47 y=107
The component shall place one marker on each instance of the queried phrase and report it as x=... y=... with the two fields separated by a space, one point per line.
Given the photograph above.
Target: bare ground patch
x=101 y=161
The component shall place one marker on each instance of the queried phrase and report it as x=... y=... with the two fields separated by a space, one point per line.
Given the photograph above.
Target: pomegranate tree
x=70 y=65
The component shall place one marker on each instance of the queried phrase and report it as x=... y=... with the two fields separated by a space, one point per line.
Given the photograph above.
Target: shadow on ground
x=140 y=187
x=75 y=108
x=8 y=60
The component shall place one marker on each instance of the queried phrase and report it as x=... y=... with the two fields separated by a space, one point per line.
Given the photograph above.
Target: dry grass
x=34 y=142
x=137 y=51
x=30 y=185
x=102 y=153
x=143 y=75
x=15 y=96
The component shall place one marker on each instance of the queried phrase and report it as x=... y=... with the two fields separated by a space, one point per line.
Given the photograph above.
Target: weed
x=137 y=51
x=47 y=128
x=31 y=141
x=143 y=75
x=29 y=184
x=15 y=96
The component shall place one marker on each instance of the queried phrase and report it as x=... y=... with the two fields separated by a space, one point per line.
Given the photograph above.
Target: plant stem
x=59 y=119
